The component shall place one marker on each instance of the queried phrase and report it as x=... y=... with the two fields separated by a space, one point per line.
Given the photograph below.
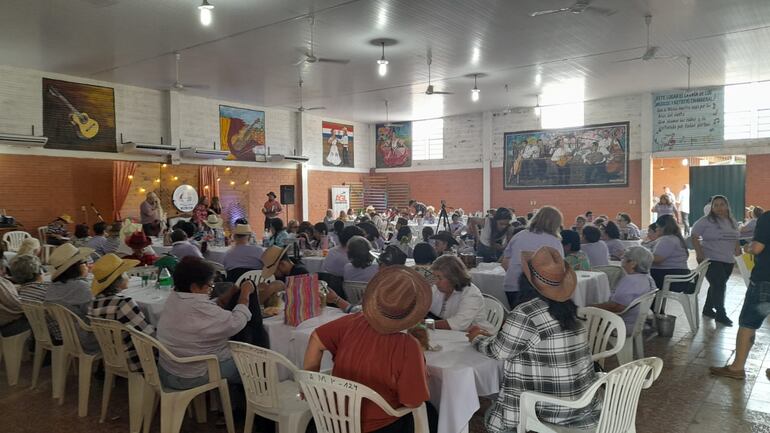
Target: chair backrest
x=41 y=234
x=258 y=368
x=36 y=316
x=643 y=302
x=493 y=312
x=614 y=274
x=250 y=275
x=68 y=325
x=335 y=402
x=110 y=335
x=13 y=239
x=602 y=325
x=623 y=386
x=354 y=291
x=744 y=268
x=145 y=348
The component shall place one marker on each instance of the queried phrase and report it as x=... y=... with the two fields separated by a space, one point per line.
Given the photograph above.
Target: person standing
x=715 y=238
x=756 y=305
x=683 y=203
x=149 y=212
x=271 y=209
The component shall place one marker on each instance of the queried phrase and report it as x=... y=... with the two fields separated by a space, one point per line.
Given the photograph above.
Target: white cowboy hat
x=66 y=255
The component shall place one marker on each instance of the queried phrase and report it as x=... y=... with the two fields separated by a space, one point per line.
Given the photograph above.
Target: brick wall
x=674 y=175
x=757 y=180
x=460 y=188
x=319 y=189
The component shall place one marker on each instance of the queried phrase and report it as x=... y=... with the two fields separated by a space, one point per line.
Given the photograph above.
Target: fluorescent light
x=205 y=8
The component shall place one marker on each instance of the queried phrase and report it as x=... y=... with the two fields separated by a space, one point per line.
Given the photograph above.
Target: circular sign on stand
x=185 y=198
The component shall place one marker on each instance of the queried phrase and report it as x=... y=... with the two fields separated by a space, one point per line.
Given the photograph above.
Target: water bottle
x=165 y=282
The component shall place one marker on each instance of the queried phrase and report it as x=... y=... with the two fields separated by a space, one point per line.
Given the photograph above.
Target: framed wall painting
x=337 y=144
x=78 y=116
x=589 y=156
x=394 y=145
x=242 y=132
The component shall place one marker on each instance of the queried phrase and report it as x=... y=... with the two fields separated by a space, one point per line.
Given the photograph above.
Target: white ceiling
x=248 y=52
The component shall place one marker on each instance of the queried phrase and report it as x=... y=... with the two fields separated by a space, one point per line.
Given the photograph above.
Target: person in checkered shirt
x=543 y=345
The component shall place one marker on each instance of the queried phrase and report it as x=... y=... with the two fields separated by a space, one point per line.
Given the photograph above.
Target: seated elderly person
x=360 y=268
x=29 y=246
x=27 y=272
x=194 y=324
x=138 y=242
x=98 y=241
x=595 y=248
x=181 y=247
x=362 y=346
x=636 y=282
x=372 y=235
x=404 y=241
x=570 y=241
x=70 y=288
x=242 y=256
x=81 y=237
x=391 y=256
x=443 y=242
x=109 y=280
x=652 y=237
x=544 y=348
x=56 y=232
x=337 y=257
x=628 y=230
x=277 y=264
x=12 y=320
x=424 y=256
x=611 y=237
x=457 y=302
x=114 y=240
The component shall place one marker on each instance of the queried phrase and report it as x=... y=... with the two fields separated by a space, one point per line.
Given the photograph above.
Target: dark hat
x=271 y=194
x=446 y=237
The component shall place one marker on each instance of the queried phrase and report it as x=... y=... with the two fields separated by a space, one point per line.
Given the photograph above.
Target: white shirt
x=558 y=154
x=531 y=151
x=684 y=200
x=460 y=309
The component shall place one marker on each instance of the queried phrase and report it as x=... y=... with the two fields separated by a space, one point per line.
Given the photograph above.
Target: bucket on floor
x=666 y=324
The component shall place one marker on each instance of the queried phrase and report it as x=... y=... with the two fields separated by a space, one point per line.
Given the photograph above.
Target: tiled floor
x=685 y=399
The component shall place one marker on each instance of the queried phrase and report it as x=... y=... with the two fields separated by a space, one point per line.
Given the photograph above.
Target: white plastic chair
x=614 y=274
x=603 y=329
x=110 y=335
x=13 y=351
x=13 y=240
x=633 y=348
x=71 y=348
x=689 y=302
x=253 y=276
x=493 y=312
x=623 y=387
x=174 y=403
x=266 y=396
x=45 y=248
x=354 y=291
x=36 y=316
x=336 y=403
x=740 y=261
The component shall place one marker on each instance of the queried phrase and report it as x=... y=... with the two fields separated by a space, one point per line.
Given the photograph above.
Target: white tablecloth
x=592 y=287
x=149 y=299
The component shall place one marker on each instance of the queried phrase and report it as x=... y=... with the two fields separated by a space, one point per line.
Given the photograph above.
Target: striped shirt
x=125 y=311
x=539 y=356
x=9 y=298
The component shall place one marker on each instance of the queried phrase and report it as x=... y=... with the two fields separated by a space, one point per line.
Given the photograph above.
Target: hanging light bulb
x=382 y=63
x=537 y=107
x=475 y=92
x=205 y=8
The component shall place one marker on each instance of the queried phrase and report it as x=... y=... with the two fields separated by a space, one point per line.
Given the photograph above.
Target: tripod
x=442 y=216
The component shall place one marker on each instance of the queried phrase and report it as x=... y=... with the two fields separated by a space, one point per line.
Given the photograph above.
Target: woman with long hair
x=492 y=233
x=715 y=237
x=670 y=254
x=666 y=207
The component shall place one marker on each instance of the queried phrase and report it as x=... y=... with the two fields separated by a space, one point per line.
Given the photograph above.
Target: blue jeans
x=756 y=306
x=227 y=369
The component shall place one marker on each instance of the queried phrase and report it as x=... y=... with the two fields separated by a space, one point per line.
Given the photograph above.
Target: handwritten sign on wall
x=686 y=119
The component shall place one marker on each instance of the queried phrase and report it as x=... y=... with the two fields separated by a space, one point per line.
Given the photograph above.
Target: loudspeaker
x=287 y=194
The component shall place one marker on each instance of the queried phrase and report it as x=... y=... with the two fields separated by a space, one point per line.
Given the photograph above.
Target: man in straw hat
x=363 y=345
x=56 y=232
x=242 y=256
x=543 y=345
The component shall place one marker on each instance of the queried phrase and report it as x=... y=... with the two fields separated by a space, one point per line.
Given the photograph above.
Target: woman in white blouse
x=456 y=301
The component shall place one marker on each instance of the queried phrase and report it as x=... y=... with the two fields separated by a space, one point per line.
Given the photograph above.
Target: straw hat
x=138 y=240
x=397 y=298
x=370 y=209
x=271 y=194
x=213 y=221
x=107 y=269
x=270 y=259
x=66 y=255
x=549 y=273
x=242 y=229
x=66 y=218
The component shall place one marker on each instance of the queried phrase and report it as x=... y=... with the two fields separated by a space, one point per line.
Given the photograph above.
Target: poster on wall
x=337 y=144
x=587 y=156
x=78 y=116
x=687 y=119
x=242 y=132
x=394 y=145
x=340 y=199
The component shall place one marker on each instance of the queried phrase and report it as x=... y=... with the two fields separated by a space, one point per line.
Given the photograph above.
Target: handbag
x=303 y=300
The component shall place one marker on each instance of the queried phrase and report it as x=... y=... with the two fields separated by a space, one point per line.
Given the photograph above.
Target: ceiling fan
x=310 y=57
x=579 y=7
x=429 y=90
x=301 y=107
x=650 y=53
x=178 y=85
x=387 y=117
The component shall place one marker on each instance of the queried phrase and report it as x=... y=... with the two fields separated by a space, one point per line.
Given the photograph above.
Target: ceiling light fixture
x=475 y=92
x=537 y=107
x=205 y=8
x=382 y=63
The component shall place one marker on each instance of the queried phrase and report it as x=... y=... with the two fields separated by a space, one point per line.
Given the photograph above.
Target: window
x=428 y=139
x=747 y=111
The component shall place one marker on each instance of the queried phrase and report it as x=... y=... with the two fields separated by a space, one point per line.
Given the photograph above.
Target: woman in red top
x=369 y=347
x=138 y=242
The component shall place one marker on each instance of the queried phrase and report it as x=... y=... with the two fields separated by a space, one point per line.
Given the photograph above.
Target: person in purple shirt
x=360 y=268
x=670 y=255
x=595 y=248
x=715 y=237
x=181 y=247
x=636 y=282
x=335 y=261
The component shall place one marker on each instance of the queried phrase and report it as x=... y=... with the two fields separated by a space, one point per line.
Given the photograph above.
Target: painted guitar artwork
x=85 y=127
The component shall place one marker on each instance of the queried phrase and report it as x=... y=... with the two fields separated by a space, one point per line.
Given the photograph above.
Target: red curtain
x=122 y=174
x=207 y=181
